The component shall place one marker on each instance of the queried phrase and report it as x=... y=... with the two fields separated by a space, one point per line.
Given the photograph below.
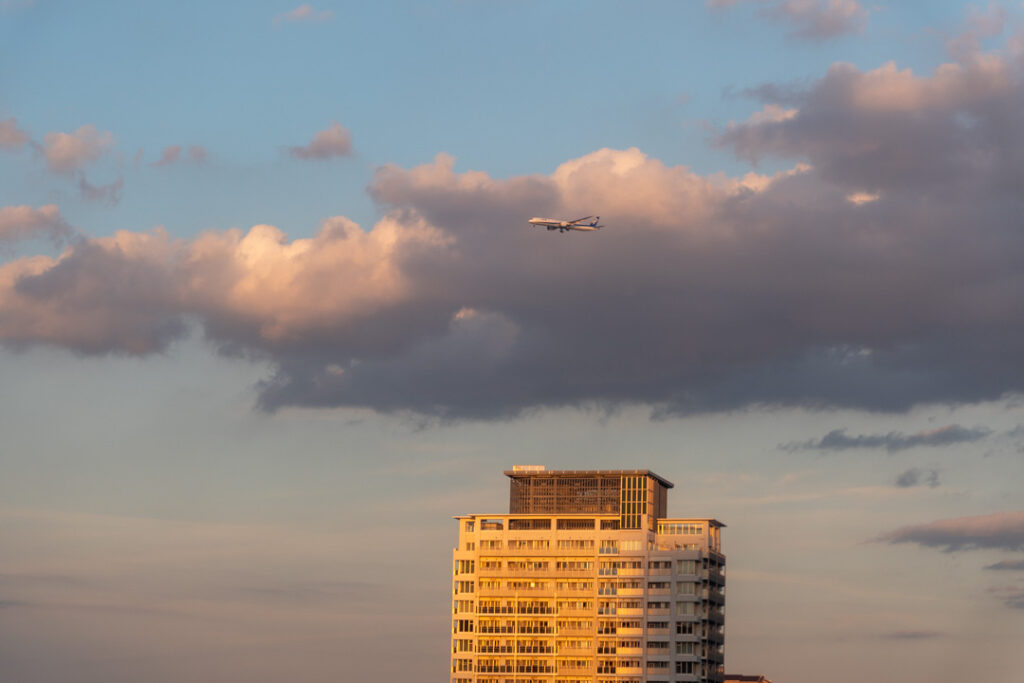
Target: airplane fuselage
x=560 y=225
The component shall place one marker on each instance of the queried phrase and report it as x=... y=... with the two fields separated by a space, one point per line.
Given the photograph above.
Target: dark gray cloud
x=884 y=275
x=839 y=440
x=912 y=635
x=1012 y=596
x=1007 y=565
x=109 y=194
x=1003 y=531
x=918 y=477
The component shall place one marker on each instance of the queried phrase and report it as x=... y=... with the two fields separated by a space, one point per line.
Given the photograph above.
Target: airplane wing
x=580 y=220
x=584 y=227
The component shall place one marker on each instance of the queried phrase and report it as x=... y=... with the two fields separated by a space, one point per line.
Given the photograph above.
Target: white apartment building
x=587 y=580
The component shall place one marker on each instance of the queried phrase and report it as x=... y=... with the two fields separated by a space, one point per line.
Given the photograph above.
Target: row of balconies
x=515 y=669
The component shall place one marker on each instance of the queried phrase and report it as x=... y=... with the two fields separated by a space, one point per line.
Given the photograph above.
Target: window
x=686 y=608
x=470 y=545
x=680 y=528
x=575 y=544
x=609 y=547
x=528 y=524
x=490 y=545
x=685 y=628
x=463 y=625
x=686 y=566
x=575 y=524
x=470 y=526
x=464 y=566
x=686 y=588
x=528 y=544
x=687 y=648
x=686 y=667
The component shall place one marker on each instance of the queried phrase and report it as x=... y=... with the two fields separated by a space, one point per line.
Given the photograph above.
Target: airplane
x=562 y=226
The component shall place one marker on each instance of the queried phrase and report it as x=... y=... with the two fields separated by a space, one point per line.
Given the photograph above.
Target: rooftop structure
x=586 y=580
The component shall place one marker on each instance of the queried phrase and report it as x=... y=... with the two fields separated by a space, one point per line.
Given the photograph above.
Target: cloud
x=15 y=5
x=25 y=222
x=1012 y=596
x=821 y=19
x=11 y=137
x=1003 y=530
x=334 y=141
x=109 y=194
x=915 y=476
x=912 y=635
x=197 y=154
x=304 y=13
x=889 y=129
x=172 y=155
x=703 y=293
x=67 y=152
x=1007 y=565
x=838 y=440
x=809 y=19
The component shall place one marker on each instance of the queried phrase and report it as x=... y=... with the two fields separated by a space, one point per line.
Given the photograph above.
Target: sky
x=271 y=314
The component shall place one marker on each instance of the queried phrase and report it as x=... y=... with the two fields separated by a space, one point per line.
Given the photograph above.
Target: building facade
x=586 y=580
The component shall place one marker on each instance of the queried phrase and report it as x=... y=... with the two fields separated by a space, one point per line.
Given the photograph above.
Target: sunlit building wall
x=587 y=580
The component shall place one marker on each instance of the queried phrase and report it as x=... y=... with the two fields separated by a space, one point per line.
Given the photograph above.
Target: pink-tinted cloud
x=821 y=19
x=1003 y=530
x=132 y=292
x=67 y=152
x=169 y=155
x=197 y=154
x=304 y=13
x=26 y=222
x=173 y=154
x=334 y=141
x=810 y=19
x=11 y=137
x=886 y=128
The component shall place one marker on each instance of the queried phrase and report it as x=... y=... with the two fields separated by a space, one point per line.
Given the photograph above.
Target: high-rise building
x=587 y=580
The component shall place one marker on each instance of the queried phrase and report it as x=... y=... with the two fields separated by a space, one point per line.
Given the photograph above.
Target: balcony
x=627 y=631
x=631 y=592
x=631 y=611
x=630 y=650
x=575 y=611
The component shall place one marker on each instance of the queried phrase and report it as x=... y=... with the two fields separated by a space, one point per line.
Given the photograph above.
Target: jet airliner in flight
x=562 y=226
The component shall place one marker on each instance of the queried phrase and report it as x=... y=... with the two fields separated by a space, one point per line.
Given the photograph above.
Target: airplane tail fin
x=593 y=223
